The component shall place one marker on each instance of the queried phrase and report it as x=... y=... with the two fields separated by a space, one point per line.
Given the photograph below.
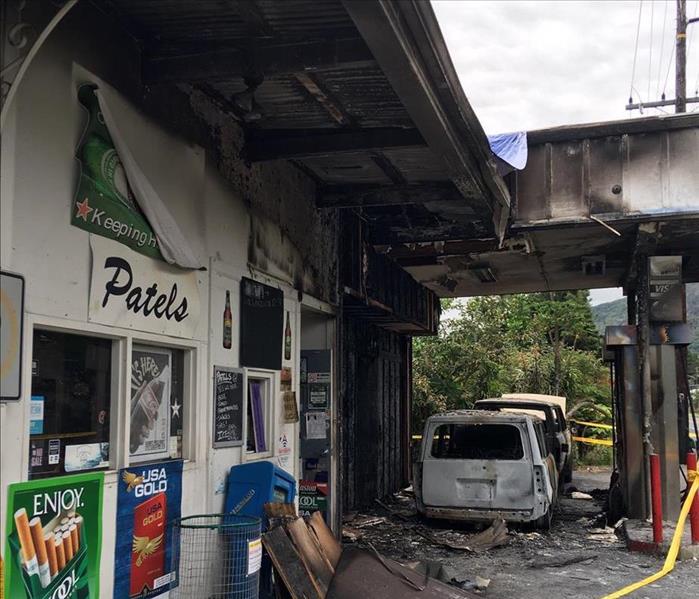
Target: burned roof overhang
x=360 y=95
x=590 y=200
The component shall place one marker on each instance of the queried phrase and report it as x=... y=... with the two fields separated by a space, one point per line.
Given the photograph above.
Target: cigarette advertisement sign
x=133 y=291
x=148 y=502
x=313 y=497
x=54 y=538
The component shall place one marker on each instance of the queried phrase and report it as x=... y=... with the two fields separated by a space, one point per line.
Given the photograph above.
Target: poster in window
x=151 y=383
x=257 y=410
x=148 y=503
x=54 y=538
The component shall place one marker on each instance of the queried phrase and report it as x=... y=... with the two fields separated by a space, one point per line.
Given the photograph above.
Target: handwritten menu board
x=261 y=324
x=228 y=407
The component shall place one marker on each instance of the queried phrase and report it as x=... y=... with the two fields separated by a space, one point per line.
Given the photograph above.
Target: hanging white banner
x=133 y=291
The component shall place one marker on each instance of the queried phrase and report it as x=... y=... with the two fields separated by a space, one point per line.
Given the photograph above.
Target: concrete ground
x=515 y=570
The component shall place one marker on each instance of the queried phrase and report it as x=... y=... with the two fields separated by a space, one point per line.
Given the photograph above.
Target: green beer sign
x=54 y=538
x=104 y=203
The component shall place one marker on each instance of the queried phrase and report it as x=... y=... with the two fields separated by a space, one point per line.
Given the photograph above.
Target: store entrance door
x=317 y=467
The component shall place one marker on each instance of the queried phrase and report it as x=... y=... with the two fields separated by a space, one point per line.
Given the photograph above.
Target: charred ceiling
x=360 y=96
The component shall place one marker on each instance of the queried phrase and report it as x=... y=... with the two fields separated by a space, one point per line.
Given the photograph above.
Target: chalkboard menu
x=261 y=324
x=228 y=407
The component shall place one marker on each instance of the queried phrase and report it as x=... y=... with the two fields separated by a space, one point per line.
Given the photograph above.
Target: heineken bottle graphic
x=145 y=405
x=104 y=202
x=104 y=166
x=227 y=323
x=287 y=339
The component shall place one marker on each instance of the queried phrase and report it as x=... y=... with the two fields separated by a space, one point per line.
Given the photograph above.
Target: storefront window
x=259 y=415
x=70 y=403
x=157 y=410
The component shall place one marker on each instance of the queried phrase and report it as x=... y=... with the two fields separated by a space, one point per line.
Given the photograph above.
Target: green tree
x=537 y=343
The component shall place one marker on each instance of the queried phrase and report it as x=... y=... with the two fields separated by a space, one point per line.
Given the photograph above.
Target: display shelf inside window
x=70 y=403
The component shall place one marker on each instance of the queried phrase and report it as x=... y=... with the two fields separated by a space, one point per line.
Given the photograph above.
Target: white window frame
x=123 y=340
x=271 y=425
x=157 y=455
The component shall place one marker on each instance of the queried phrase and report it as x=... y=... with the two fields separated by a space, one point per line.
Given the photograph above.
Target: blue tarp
x=510 y=148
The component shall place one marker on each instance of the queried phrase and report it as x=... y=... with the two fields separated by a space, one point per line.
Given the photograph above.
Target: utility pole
x=681 y=100
x=681 y=58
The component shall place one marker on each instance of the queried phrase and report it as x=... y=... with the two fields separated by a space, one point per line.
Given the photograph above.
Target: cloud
x=530 y=64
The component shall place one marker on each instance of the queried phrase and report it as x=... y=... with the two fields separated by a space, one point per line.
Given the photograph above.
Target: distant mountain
x=614 y=312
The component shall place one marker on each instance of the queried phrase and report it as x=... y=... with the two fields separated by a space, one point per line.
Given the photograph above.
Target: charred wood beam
x=408 y=46
x=354 y=196
x=271 y=144
x=431 y=251
x=331 y=105
x=389 y=169
x=646 y=241
x=270 y=57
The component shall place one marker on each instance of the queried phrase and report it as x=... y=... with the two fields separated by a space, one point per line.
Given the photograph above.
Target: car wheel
x=544 y=522
x=568 y=474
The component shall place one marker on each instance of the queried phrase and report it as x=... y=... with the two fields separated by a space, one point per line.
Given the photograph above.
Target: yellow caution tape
x=593 y=441
x=593 y=424
x=671 y=558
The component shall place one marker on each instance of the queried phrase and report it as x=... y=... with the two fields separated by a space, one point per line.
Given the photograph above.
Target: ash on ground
x=580 y=558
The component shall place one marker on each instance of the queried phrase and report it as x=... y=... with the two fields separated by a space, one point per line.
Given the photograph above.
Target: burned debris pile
x=310 y=563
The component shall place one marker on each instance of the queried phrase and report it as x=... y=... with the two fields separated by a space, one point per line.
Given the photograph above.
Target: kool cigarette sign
x=54 y=538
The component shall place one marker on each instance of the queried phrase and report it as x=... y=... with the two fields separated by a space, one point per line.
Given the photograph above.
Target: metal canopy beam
x=271 y=144
x=362 y=196
x=269 y=57
x=408 y=45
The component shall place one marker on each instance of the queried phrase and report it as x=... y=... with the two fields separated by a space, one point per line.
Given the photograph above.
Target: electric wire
x=662 y=51
x=690 y=31
x=650 y=47
x=690 y=38
x=635 y=52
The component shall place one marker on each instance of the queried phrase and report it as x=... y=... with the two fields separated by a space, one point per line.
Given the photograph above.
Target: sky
x=528 y=65
x=531 y=64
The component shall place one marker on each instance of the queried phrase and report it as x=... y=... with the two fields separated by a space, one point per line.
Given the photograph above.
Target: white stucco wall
x=38 y=181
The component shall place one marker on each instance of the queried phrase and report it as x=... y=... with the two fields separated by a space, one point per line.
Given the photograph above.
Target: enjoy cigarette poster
x=148 y=502
x=54 y=537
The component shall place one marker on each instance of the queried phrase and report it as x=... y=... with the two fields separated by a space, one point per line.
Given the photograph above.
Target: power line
x=650 y=47
x=635 y=52
x=662 y=50
x=690 y=37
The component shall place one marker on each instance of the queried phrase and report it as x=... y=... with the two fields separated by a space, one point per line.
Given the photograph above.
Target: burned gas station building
x=313 y=179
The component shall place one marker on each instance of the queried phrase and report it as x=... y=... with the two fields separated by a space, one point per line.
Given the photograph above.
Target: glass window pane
x=258 y=434
x=157 y=410
x=478 y=442
x=71 y=398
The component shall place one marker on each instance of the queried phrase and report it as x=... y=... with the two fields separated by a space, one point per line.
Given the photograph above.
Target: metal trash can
x=217 y=556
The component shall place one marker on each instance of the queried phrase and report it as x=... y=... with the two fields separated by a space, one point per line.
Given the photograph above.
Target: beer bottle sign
x=227 y=323
x=104 y=203
x=54 y=537
x=287 y=339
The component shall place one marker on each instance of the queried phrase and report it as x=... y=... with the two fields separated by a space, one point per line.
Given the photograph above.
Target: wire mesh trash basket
x=217 y=556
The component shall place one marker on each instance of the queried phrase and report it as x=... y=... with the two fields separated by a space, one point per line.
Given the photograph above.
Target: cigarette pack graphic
x=50 y=555
x=148 y=546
